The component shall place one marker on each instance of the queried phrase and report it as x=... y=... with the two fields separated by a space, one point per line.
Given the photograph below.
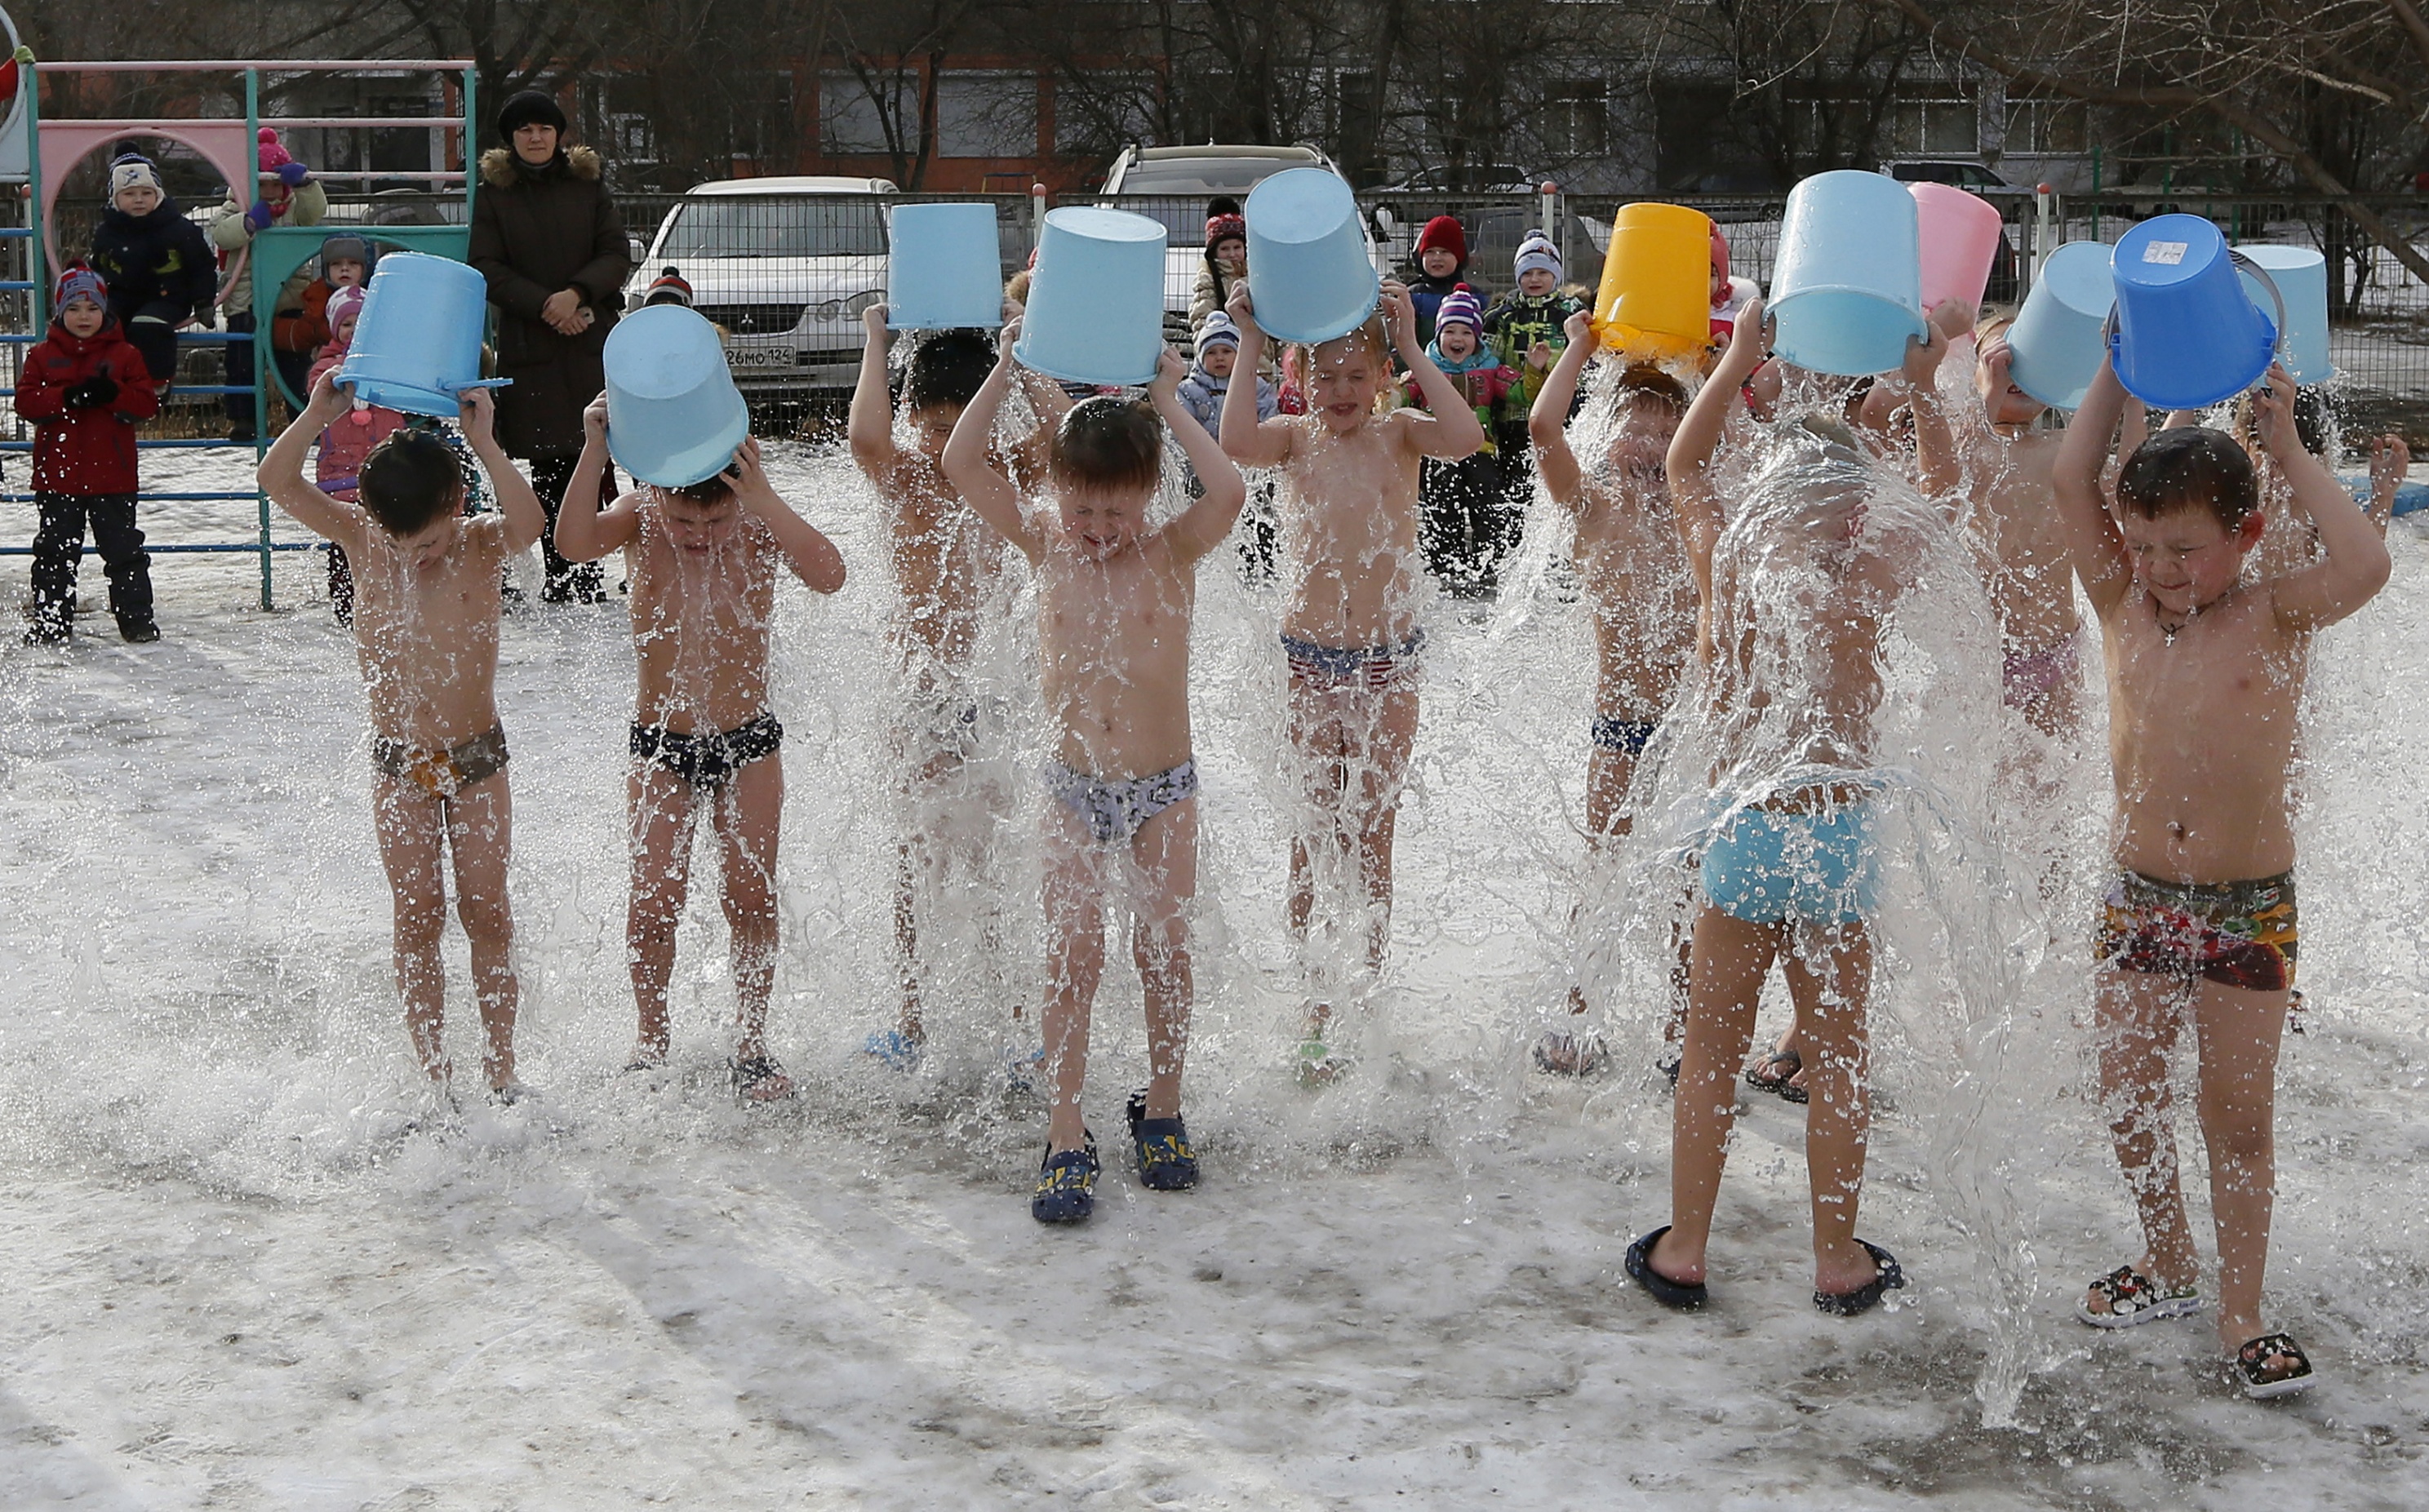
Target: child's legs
x=2137 y=1016
x=1731 y=957
x=58 y=547
x=238 y=364
x=662 y=816
x=919 y=867
x=1829 y=979
x=1165 y=851
x=1318 y=737
x=122 y=556
x=2240 y=1031
x=1075 y=962
x=410 y=822
x=1390 y=737
x=749 y=812
x=480 y=835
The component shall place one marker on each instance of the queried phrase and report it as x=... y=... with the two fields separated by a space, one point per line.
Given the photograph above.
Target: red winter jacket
x=84 y=452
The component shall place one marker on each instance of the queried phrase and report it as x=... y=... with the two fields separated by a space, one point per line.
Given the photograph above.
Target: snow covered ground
x=235 y=1275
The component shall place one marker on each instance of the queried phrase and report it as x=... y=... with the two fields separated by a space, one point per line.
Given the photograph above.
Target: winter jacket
x=305 y=328
x=351 y=436
x=1427 y=292
x=1514 y=324
x=1481 y=378
x=536 y=231
x=301 y=206
x=1201 y=394
x=158 y=258
x=84 y=452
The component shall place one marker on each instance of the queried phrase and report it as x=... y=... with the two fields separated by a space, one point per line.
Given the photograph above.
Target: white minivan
x=785 y=267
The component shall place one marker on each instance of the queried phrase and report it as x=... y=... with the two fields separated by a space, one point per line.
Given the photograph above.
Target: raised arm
x=1547 y=422
x=1935 y=445
x=2092 y=535
x=1688 y=466
x=982 y=487
x=477 y=414
x=805 y=549
x=1207 y=521
x=2356 y=563
x=2390 y=463
x=281 y=473
x=869 y=428
x=1451 y=432
x=584 y=532
x=1247 y=439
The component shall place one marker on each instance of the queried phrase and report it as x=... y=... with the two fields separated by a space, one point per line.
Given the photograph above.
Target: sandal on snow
x=2135 y=1298
x=2260 y=1380
x=1570 y=1055
x=1166 y=1162
x=753 y=1075
x=893 y=1049
x=1065 y=1185
x=1760 y=1078
x=1685 y=1296
x=1889 y=1277
x=1319 y=1066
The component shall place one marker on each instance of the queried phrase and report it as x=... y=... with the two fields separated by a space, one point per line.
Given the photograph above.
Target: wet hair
x=946 y=368
x=408 y=481
x=1108 y=443
x=707 y=493
x=1652 y=384
x=2190 y=467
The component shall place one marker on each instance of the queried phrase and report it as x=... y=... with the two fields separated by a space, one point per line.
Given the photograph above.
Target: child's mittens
x=294 y=175
x=260 y=217
x=91 y=393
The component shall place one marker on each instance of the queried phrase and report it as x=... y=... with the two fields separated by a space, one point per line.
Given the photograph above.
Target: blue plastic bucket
x=418 y=341
x=1309 y=273
x=1096 y=298
x=1846 y=288
x=944 y=271
x=2057 y=341
x=674 y=418
x=2186 y=334
x=2299 y=277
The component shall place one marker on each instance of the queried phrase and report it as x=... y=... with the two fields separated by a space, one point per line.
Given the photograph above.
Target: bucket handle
x=2244 y=264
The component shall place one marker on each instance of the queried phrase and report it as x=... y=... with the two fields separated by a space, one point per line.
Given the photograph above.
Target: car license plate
x=758 y=357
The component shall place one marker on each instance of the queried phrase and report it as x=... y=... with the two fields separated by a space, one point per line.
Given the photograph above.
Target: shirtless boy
x=2205 y=673
x=1351 y=631
x=1634 y=577
x=426 y=633
x=944 y=558
x=2006 y=469
x=1113 y=605
x=702 y=562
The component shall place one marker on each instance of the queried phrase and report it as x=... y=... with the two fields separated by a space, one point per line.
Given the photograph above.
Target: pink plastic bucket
x=1960 y=236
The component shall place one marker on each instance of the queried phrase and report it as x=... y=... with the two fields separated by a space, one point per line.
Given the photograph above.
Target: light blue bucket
x=2057 y=341
x=945 y=272
x=674 y=418
x=1096 y=298
x=2186 y=334
x=418 y=340
x=2299 y=277
x=1846 y=288
x=1309 y=273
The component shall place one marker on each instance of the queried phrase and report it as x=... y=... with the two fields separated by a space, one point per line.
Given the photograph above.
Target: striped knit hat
x=1537 y=252
x=1461 y=307
x=78 y=282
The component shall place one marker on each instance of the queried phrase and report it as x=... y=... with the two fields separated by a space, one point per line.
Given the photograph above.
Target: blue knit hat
x=78 y=282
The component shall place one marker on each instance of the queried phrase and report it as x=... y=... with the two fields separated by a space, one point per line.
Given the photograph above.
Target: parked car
x=1471 y=178
x=1966 y=175
x=1172 y=184
x=786 y=267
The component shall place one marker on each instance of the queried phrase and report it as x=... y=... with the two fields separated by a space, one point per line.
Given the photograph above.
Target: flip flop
x=1684 y=1296
x=756 y=1071
x=1759 y=1075
x=1888 y=1277
x=2250 y=1367
x=2135 y=1299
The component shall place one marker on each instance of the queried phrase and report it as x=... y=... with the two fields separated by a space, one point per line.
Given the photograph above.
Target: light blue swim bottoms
x=1766 y=867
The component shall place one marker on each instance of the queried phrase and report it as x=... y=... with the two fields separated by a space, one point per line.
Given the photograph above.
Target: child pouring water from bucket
x=703 y=536
x=426 y=609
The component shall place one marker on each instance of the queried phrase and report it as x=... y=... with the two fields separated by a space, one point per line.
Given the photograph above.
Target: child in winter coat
x=285 y=194
x=1440 y=271
x=82 y=388
x=158 y=264
x=1465 y=524
x=349 y=439
x=345 y=263
x=1201 y=394
x=1227 y=260
x=1528 y=332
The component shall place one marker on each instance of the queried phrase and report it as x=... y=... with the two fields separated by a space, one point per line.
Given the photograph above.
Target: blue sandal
x=1166 y=1162
x=1067 y=1185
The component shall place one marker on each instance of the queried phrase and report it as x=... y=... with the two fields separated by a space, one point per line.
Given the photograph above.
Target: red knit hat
x=272 y=156
x=1444 y=230
x=1222 y=228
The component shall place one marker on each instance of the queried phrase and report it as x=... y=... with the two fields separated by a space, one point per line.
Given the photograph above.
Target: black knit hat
x=525 y=108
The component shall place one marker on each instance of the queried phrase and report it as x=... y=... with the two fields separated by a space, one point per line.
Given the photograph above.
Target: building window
x=848 y=119
x=1937 y=128
x=1104 y=114
x=1578 y=119
x=2051 y=126
x=986 y=115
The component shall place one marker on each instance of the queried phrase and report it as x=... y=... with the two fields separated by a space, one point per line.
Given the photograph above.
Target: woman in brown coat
x=548 y=239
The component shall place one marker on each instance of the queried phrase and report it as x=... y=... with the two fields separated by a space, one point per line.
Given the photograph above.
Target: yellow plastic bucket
x=1656 y=299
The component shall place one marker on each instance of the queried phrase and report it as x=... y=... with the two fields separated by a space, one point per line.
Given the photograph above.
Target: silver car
x=785 y=267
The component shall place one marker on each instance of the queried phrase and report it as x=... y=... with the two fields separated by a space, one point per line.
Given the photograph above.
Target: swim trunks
x=1373 y=667
x=446 y=772
x=1114 y=809
x=2027 y=678
x=1766 y=867
x=708 y=762
x=2237 y=934
x=1628 y=738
